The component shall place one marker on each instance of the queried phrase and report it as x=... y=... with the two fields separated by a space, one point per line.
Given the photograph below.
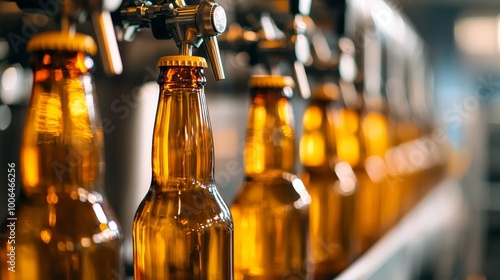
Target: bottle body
x=270 y=230
x=271 y=210
x=361 y=139
x=171 y=242
x=375 y=195
x=331 y=211
x=182 y=229
x=64 y=227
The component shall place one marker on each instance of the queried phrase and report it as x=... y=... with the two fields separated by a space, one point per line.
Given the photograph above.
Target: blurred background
x=461 y=43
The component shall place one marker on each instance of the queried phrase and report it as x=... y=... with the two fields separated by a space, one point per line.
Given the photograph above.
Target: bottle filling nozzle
x=188 y=25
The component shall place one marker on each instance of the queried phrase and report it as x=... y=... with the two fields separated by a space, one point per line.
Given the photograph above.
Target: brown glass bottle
x=382 y=194
x=183 y=228
x=361 y=139
x=64 y=228
x=330 y=182
x=374 y=138
x=271 y=210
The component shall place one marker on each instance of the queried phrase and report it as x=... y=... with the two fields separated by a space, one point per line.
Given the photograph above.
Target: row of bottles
x=183 y=229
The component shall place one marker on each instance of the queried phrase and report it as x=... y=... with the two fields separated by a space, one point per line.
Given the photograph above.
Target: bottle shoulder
x=193 y=208
x=62 y=217
x=273 y=192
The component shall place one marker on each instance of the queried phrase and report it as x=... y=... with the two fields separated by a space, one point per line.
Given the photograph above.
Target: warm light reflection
x=285 y=111
x=47 y=117
x=46 y=236
x=52 y=215
x=47 y=59
x=255 y=162
x=31 y=170
x=348 y=149
x=375 y=168
x=41 y=75
x=346 y=128
x=86 y=242
x=312 y=118
x=375 y=129
x=312 y=149
x=80 y=62
x=52 y=196
x=61 y=246
x=78 y=109
x=259 y=119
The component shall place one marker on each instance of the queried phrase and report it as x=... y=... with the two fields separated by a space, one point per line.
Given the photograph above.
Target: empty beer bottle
x=182 y=228
x=271 y=210
x=63 y=226
x=330 y=182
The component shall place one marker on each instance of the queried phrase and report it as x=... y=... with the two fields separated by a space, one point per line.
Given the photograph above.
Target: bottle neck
x=62 y=146
x=182 y=140
x=270 y=140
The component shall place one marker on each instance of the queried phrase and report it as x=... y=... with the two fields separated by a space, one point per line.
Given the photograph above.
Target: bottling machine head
x=76 y=11
x=188 y=25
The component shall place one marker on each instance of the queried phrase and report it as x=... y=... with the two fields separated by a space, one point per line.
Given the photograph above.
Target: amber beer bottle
x=373 y=190
x=64 y=228
x=271 y=210
x=182 y=228
x=330 y=182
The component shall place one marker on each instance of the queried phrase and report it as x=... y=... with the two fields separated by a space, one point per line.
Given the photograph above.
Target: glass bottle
x=330 y=182
x=400 y=168
x=271 y=209
x=64 y=227
x=182 y=229
x=379 y=201
x=373 y=189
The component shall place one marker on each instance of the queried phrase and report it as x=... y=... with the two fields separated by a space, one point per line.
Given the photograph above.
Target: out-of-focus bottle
x=401 y=169
x=183 y=229
x=64 y=228
x=330 y=182
x=271 y=210
x=374 y=190
x=362 y=138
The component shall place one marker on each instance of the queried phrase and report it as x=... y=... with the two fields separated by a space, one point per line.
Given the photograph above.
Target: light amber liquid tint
x=183 y=228
x=270 y=230
x=406 y=175
x=183 y=234
x=331 y=209
x=378 y=200
x=373 y=189
x=64 y=229
x=271 y=210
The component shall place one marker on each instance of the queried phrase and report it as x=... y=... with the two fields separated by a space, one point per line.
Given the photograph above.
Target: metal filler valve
x=271 y=46
x=72 y=12
x=187 y=25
